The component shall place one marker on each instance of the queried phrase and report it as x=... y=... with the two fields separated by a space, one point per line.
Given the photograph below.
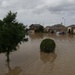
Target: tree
x=47 y=45
x=11 y=33
x=40 y=29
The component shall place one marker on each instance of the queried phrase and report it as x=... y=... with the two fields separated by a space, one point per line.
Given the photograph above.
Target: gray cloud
x=63 y=8
x=40 y=11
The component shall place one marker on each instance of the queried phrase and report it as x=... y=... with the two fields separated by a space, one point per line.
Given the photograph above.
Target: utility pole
x=63 y=20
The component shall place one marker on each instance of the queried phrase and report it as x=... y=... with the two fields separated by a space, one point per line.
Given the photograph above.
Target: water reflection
x=36 y=36
x=54 y=36
x=8 y=49
x=34 y=62
x=48 y=62
x=14 y=71
x=47 y=57
x=44 y=35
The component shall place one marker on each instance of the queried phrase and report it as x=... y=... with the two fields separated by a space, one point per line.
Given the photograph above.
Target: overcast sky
x=46 y=12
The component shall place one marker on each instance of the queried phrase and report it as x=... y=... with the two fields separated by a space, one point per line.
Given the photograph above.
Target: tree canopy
x=40 y=29
x=11 y=32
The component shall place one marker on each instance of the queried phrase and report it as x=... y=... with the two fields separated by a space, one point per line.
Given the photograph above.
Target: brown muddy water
x=28 y=60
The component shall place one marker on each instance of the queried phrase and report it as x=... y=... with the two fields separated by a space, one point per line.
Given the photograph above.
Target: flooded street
x=28 y=60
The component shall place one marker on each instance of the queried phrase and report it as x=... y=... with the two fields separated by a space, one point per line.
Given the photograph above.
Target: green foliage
x=47 y=45
x=40 y=29
x=11 y=33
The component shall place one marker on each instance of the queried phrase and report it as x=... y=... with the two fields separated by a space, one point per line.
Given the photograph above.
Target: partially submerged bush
x=47 y=45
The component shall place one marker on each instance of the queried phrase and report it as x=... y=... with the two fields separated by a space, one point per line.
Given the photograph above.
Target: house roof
x=57 y=26
x=72 y=26
x=35 y=25
x=48 y=27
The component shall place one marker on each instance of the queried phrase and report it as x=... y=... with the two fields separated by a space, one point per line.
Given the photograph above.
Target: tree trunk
x=7 y=54
x=8 y=65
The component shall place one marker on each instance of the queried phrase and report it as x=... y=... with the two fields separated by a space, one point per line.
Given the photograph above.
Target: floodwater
x=28 y=60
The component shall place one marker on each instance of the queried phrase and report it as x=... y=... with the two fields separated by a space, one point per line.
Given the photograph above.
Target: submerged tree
x=11 y=33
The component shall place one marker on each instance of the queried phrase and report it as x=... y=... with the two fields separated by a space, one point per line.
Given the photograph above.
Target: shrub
x=47 y=45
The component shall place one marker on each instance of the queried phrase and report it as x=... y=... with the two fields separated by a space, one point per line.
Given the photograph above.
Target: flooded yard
x=28 y=60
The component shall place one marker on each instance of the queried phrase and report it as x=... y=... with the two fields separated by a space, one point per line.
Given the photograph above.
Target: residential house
x=58 y=28
x=47 y=28
x=71 y=29
x=36 y=27
x=55 y=28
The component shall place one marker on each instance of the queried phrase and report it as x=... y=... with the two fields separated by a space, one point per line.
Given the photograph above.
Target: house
x=36 y=27
x=56 y=28
x=71 y=29
x=47 y=28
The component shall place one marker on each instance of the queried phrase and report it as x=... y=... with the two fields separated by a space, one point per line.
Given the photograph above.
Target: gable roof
x=35 y=25
x=57 y=26
x=48 y=27
x=72 y=26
